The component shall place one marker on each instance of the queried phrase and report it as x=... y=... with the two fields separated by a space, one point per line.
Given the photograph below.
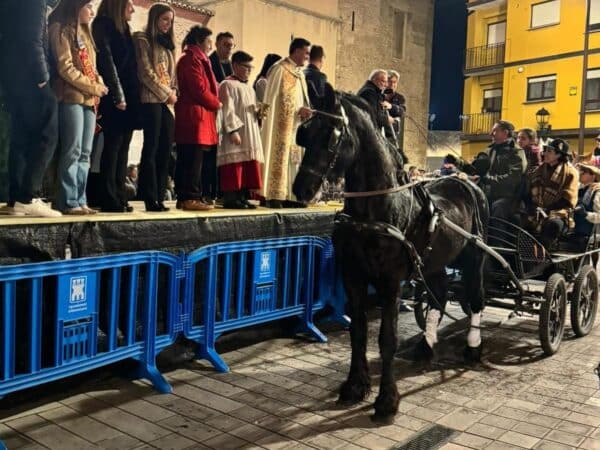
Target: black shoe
x=128 y=208
x=276 y=204
x=294 y=204
x=235 y=204
x=152 y=206
x=248 y=204
x=113 y=209
x=163 y=207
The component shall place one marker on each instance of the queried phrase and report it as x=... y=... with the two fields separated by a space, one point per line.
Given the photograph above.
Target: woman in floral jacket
x=78 y=88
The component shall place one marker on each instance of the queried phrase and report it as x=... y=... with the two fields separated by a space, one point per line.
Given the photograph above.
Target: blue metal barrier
x=238 y=284
x=66 y=317
x=62 y=318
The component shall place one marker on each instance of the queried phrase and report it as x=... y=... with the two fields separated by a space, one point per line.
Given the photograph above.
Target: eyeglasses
x=229 y=45
x=247 y=66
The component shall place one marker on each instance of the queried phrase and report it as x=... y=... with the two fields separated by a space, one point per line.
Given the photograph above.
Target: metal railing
x=485 y=56
x=62 y=318
x=482 y=123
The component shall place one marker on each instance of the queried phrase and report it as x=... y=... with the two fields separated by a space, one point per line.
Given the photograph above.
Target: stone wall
x=370 y=46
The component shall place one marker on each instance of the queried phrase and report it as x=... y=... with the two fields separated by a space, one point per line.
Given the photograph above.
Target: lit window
x=541 y=88
x=592 y=90
x=546 y=13
x=492 y=100
x=595 y=15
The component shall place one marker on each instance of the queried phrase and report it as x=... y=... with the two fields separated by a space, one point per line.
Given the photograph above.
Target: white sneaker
x=37 y=208
x=9 y=211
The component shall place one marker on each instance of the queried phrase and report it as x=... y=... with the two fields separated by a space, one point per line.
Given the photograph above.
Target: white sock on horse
x=433 y=319
x=474 y=336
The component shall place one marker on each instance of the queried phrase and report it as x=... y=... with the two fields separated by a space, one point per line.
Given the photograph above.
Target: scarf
x=547 y=185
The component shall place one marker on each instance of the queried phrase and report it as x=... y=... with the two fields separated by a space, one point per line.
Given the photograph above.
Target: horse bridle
x=333 y=148
x=335 y=142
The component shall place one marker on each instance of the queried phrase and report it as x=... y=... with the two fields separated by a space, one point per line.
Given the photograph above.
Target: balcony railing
x=484 y=57
x=477 y=124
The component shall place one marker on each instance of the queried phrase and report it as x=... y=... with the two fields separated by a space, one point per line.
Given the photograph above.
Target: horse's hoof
x=423 y=352
x=473 y=354
x=383 y=420
x=386 y=403
x=354 y=391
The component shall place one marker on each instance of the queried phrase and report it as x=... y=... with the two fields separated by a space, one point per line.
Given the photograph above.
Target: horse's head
x=324 y=137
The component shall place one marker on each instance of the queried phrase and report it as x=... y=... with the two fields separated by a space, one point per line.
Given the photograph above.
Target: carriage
x=529 y=279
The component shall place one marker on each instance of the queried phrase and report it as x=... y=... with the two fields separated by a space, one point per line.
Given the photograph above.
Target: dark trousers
x=552 y=228
x=113 y=167
x=210 y=179
x=33 y=139
x=188 y=171
x=158 y=139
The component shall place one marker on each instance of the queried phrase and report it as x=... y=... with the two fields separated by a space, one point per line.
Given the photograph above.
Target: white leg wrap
x=433 y=318
x=474 y=336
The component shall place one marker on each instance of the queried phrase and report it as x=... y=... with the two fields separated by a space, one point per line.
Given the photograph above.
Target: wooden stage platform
x=29 y=239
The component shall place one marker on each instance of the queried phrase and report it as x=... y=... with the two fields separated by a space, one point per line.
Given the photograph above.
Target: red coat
x=198 y=100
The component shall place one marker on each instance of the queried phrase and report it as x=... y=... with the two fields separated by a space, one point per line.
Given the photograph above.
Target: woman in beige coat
x=78 y=88
x=155 y=52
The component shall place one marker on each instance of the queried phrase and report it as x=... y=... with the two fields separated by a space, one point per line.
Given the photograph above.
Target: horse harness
x=345 y=220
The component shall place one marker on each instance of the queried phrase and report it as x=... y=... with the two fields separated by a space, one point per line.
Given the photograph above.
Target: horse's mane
x=358 y=107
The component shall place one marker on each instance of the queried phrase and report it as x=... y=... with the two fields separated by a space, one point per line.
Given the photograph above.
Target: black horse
x=341 y=140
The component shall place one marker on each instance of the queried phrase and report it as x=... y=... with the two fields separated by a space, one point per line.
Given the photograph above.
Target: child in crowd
x=240 y=152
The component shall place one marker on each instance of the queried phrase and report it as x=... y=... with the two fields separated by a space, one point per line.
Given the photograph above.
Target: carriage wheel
x=553 y=314
x=584 y=301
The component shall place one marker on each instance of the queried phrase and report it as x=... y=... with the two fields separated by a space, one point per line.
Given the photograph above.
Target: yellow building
x=527 y=55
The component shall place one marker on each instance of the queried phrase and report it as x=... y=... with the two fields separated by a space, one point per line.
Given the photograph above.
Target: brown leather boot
x=195 y=205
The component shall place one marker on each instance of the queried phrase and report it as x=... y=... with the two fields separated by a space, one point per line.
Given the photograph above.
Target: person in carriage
x=587 y=211
x=500 y=172
x=552 y=194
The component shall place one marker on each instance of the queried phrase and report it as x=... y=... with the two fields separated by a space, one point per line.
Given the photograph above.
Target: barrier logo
x=78 y=287
x=265 y=266
x=265 y=262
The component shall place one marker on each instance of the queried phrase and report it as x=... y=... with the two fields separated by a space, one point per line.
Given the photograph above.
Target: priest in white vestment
x=287 y=95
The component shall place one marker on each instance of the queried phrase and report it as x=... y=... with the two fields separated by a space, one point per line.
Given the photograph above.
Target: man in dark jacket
x=32 y=105
x=502 y=183
x=220 y=59
x=372 y=93
x=315 y=79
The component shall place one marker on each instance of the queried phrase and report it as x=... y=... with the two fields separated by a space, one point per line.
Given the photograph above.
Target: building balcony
x=484 y=59
x=478 y=125
x=473 y=5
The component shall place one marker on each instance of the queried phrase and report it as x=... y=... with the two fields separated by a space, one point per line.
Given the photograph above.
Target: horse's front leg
x=438 y=284
x=475 y=296
x=386 y=404
x=358 y=385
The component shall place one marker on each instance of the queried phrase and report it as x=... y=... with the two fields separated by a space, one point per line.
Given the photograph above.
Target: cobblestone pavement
x=281 y=394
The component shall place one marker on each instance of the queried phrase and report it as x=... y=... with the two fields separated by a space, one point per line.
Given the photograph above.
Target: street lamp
x=542 y=117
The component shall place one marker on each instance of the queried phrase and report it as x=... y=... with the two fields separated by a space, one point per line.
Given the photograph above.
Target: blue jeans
x=76 y=129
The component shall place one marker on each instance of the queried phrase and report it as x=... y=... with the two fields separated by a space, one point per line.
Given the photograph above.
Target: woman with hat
x=553 y=192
